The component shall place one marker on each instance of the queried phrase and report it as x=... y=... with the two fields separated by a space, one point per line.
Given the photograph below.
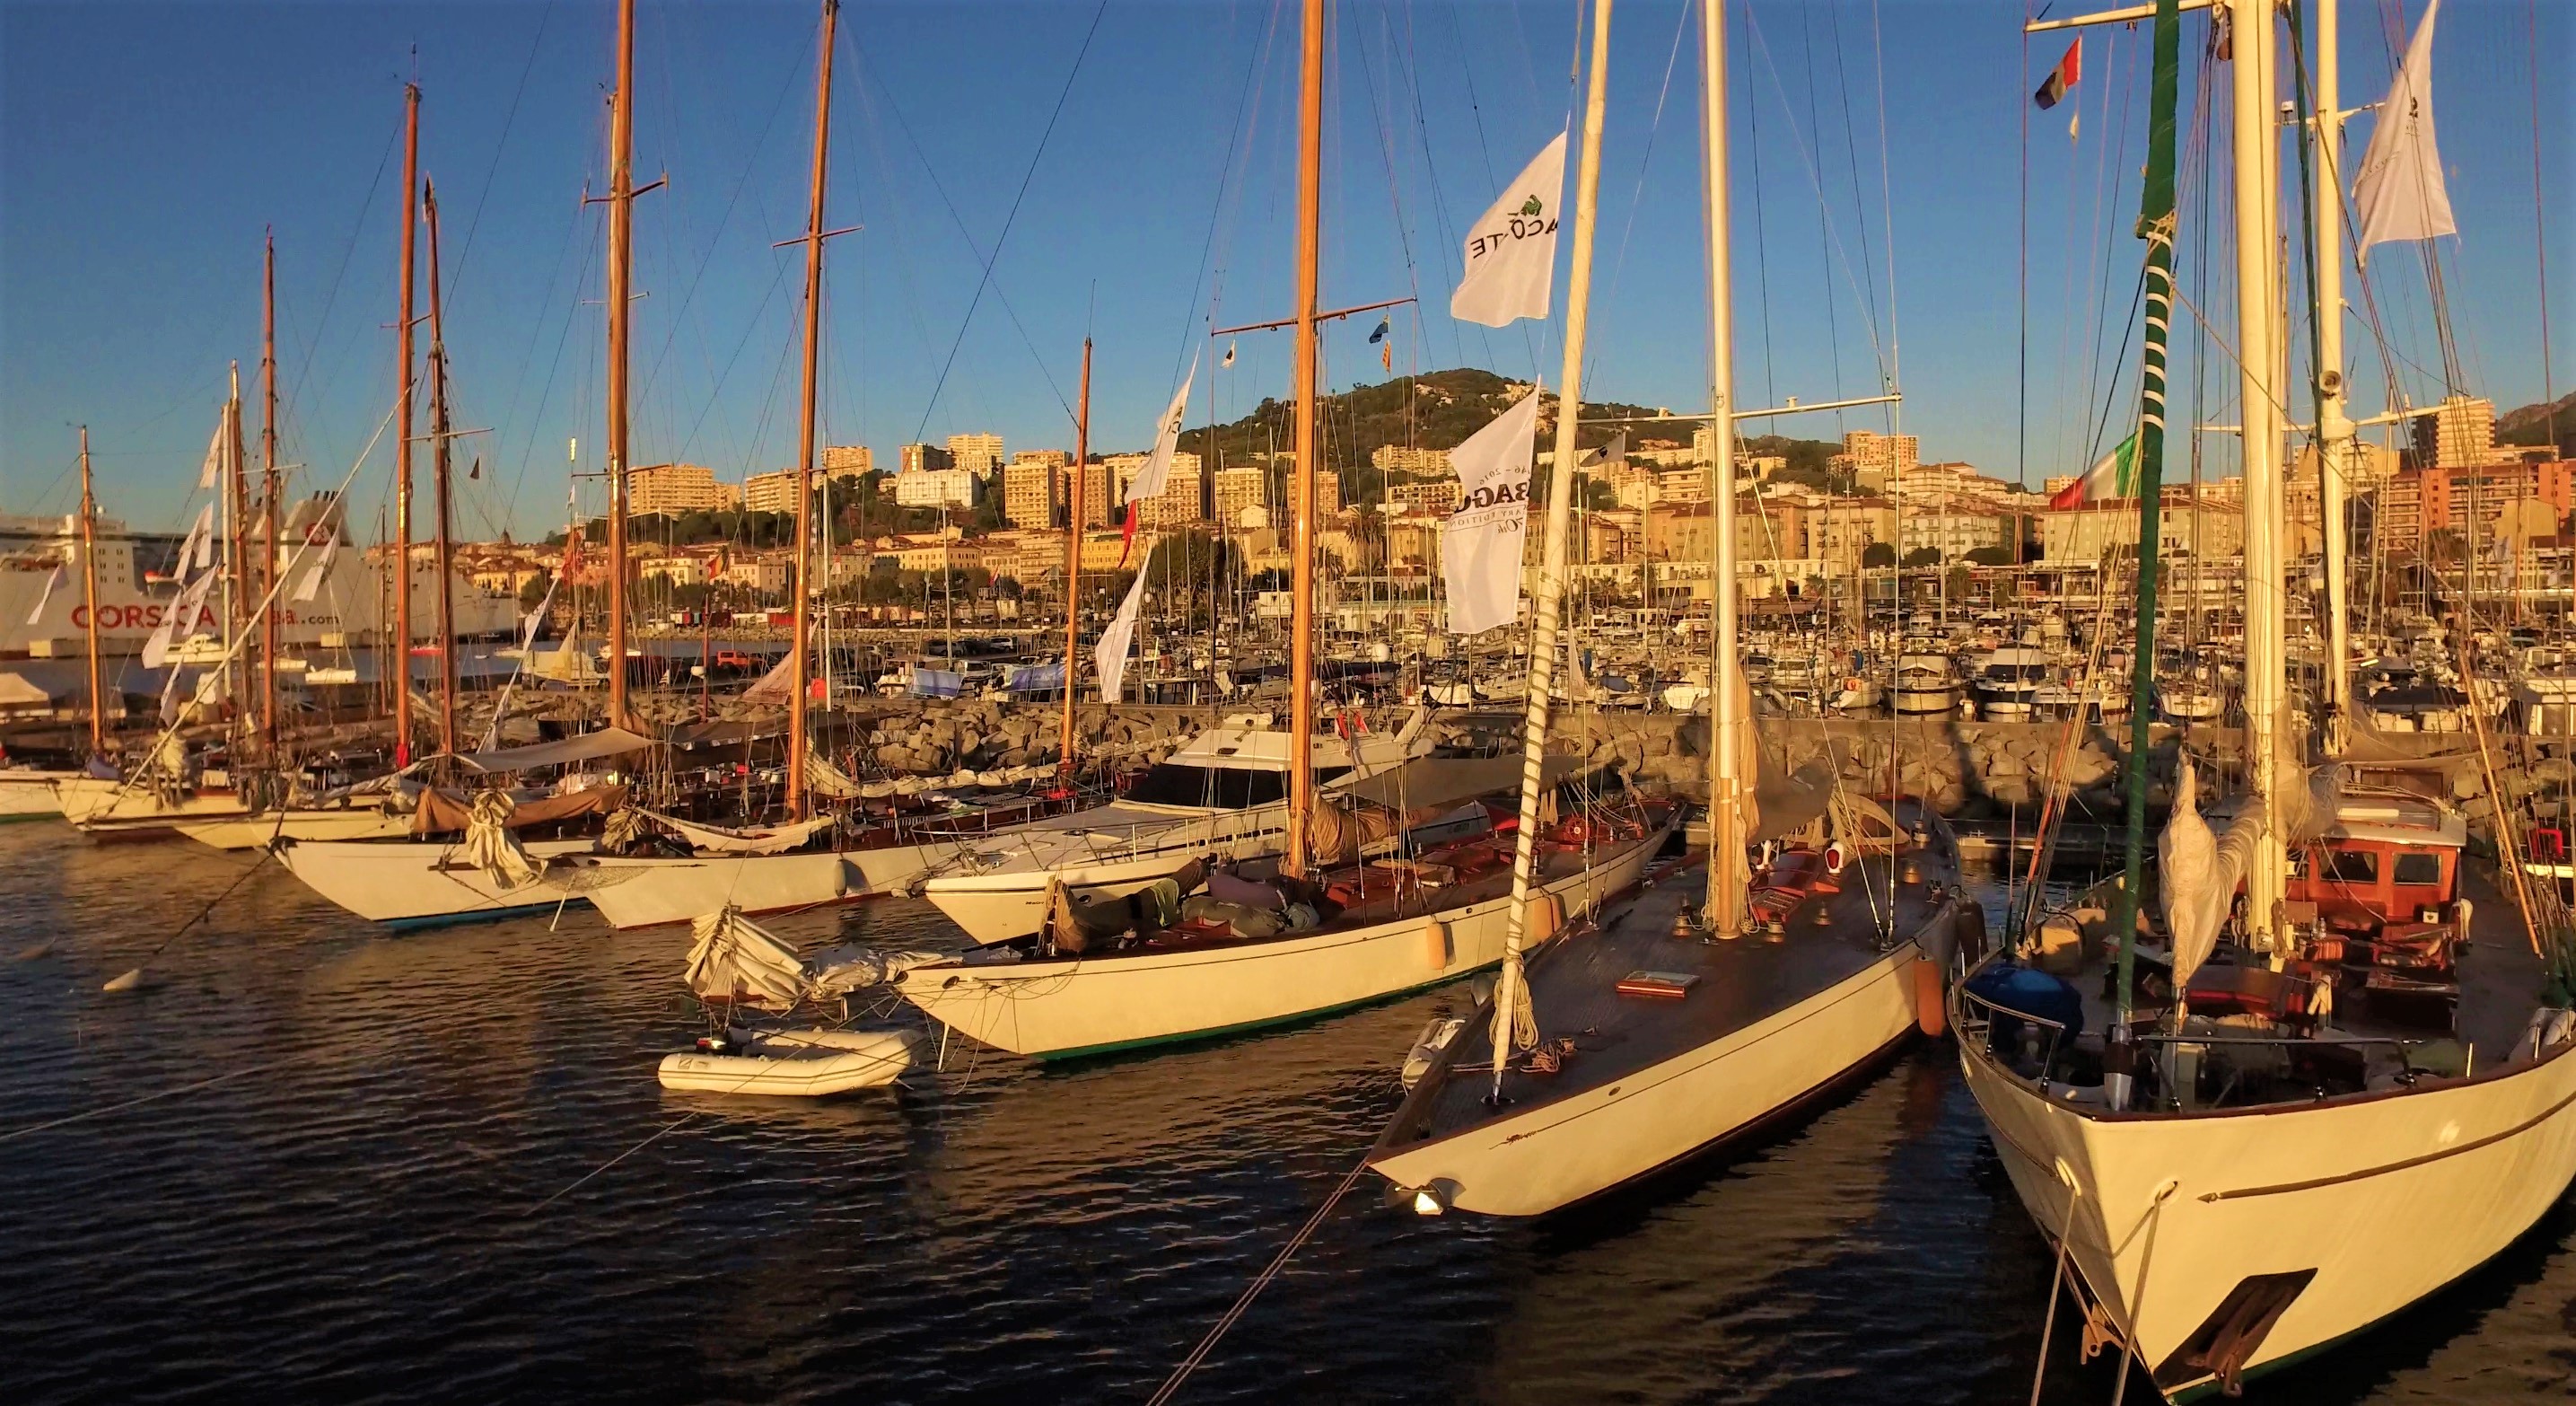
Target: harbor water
x=325 y=1163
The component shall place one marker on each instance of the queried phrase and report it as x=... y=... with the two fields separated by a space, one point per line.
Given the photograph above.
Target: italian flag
x=2115 y=477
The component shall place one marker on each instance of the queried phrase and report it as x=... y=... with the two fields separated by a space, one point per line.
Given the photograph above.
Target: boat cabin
x=2390 y=858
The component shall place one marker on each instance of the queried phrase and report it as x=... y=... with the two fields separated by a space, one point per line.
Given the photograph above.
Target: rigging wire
x=1011 y=218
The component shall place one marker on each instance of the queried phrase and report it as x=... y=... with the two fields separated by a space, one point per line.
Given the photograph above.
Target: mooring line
x=1172 y=1385
x=16 y=1133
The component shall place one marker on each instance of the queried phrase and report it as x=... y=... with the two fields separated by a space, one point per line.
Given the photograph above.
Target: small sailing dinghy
x=742 y=970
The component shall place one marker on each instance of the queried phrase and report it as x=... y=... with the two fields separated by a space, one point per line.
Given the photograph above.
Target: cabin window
x=2419 y=868
x=2353 y=866
x=1227 y=788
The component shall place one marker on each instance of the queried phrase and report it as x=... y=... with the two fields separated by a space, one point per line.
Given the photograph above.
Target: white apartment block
x=975 y=453
x=677 y=488
x=1239 y=490
x=848 y=460
x=1179 y=502
x=1405 y=459
x=2459 y=432
x=770 y=493
x=931 y=488
x=1032 y=492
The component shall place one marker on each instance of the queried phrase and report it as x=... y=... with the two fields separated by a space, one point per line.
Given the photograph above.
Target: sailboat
x=1327 y=925
x=2275 y=1142
x=1654 y=1040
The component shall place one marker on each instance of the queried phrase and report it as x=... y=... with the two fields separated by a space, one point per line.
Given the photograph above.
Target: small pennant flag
x=2114 y=477
x=1386 y=356
x=477 y=470
x=209 y=474
x=1229 y=355
x=1384 y=326
x=2062 y=77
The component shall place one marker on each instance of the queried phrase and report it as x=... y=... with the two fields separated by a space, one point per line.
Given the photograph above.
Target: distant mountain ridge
x=2553 y=423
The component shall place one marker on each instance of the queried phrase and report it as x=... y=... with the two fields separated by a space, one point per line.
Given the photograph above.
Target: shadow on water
x=437 y=1168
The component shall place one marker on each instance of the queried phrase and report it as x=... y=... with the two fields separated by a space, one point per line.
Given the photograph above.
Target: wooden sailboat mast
x=1726 y=873
x=800 y=662
x=442 y=437
x=399 y=562
x=1073 y=563
x=621 y=278
x=236 y=492
x=1301 y=482
x=268 y=494
x=89 y=600
x=2334 y=422
x=1511 y=995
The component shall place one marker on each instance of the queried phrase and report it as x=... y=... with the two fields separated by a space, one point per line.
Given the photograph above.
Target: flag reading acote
x=1480 y=545
x=1511 y=252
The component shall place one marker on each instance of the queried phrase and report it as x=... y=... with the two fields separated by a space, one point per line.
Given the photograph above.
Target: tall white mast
x=2334 y=436
x=2259 y=379
x=1726 y=877
x=1511 y=996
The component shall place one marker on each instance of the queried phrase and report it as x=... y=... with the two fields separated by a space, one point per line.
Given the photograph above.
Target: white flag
x=1110 y=656
x=51 y=581
x=211 y=473
x=179 y=622
x=198 y=552
x=1480 y=545
x=311 y=585
x=2400 y=189
x=1148 y=482
x=1511 y=252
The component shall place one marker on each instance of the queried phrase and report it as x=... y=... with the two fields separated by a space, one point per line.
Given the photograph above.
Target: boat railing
x=1982 y=1026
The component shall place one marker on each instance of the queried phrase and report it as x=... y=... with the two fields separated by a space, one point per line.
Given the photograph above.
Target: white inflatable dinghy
x=794 y=1063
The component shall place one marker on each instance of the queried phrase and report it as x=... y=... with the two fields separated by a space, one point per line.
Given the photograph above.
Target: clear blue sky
x=143 y=147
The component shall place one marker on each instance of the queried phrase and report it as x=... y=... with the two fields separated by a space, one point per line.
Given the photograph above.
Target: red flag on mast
x=2063 y=77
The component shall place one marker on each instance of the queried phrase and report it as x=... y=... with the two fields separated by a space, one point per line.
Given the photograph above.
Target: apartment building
x=1183 y=499
x=977 y=453
x=931 y=488
x=1033 y=491
x=678 y=488
x=848 y=460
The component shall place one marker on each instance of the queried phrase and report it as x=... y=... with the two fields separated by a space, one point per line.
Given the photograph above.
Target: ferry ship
x=136 y=587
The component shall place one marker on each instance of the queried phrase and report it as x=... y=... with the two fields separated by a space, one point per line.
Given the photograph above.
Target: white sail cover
x=774 y=686
x=2399 y=188
x=1480 y=544
x=735 y=959
x=1148 y=482
x=1110 y=655
x=1511 y=252
x=2200 y=871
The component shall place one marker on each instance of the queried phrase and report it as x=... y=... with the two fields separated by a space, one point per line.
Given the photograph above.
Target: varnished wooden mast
x=1073 y=563
x=89 y=600
x=268 y=495
x=621 y=229
x=801 y=663
x=400 y=563
x=442 y=438
x=1301 y=491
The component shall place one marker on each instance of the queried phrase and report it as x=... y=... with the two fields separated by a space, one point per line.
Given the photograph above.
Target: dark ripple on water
x=359 y=1212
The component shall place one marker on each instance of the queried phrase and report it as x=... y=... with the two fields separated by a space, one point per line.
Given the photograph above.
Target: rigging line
x=456 y=278
x=850 y=38
x=1761 y=208
x=1887 y=220
x=86 y=1114
x=2129 y=329
x=545 y=393
x=1815 y=180
x=777 y=277
x=1833 y=324
x=1646 y=158
x=2021 y=395
x=536 y=329
x=1008 y=220
x=1217 y=222
x=2540 y=234
x=1484 y=148
x=1198 y=1355
x=348 y=247
x=1851 y=156
x=2094 y=375
x=724 y=220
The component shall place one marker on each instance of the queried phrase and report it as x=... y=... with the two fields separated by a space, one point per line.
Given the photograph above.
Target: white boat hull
x=798 y=1064
x=129 y=808
x=2384 y=1199
x=1572 y=1149
x=396 y=882
x=255 y=831
x=30 y=795
x=640 y=893
x=1001 y=907
x=1056 y=1009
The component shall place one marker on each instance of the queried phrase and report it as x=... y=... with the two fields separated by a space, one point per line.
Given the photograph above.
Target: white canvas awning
x=588 y=747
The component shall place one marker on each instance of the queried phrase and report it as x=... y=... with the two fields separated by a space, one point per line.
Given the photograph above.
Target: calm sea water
x=383 y=1199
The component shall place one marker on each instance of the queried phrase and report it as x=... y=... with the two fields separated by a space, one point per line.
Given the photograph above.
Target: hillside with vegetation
x=2534 y=424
